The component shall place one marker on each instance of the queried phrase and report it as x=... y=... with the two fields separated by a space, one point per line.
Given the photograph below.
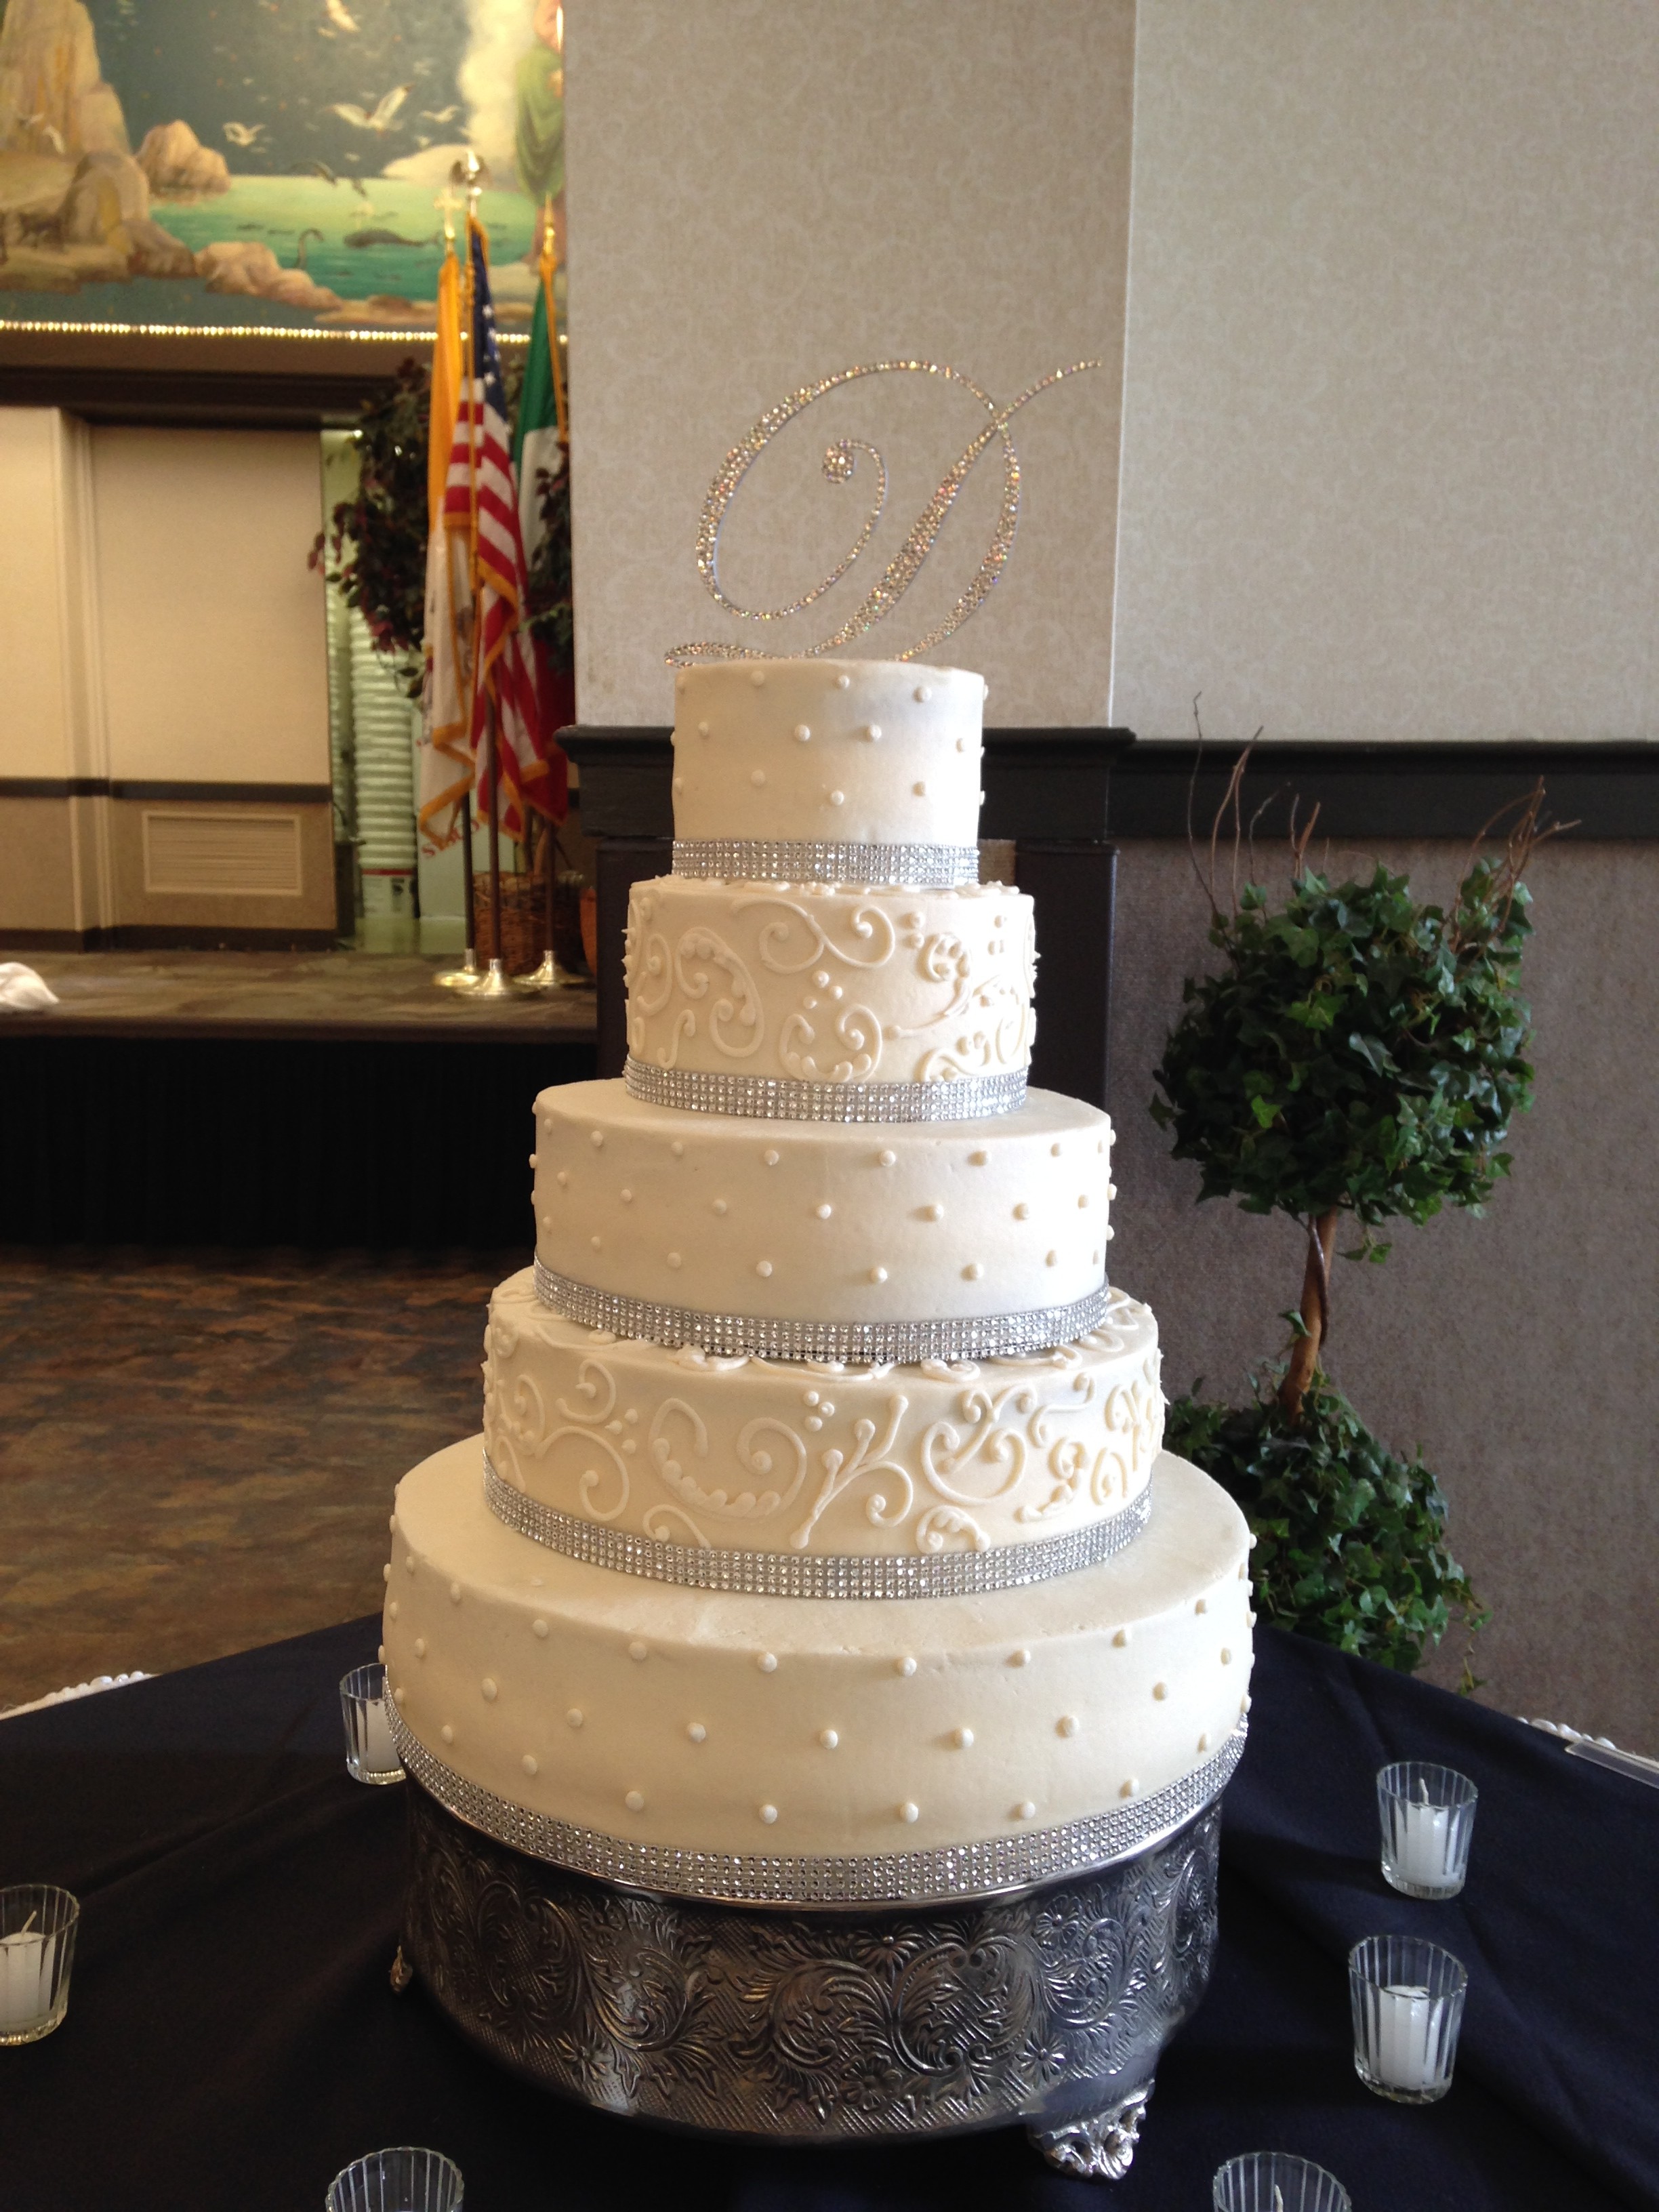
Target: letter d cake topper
x=841 y=461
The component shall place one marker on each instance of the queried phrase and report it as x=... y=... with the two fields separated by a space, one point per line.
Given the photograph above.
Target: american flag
x=505 y=690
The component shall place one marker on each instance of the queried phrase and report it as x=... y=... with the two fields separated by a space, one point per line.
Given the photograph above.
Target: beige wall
x=1391 y=443
x=159 y=625
x=761 y=196
x=214 y=663
x=1518 y=1350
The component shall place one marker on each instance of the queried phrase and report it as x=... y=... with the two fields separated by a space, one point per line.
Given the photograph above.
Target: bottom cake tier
x=737 y=1745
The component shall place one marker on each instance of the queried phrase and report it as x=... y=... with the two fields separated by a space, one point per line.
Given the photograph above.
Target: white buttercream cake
x=1020 y=1616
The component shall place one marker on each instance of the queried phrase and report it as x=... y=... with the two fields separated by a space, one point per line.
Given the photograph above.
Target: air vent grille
x=221 y=855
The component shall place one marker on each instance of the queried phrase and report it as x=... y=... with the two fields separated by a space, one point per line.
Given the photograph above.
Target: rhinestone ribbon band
x=969 y=1336
x=788 y=1574
x=753 y=860
x=925 y=1877
x=785 y=1098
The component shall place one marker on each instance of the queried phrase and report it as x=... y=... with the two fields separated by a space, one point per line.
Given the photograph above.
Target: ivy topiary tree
x=1358 y=1054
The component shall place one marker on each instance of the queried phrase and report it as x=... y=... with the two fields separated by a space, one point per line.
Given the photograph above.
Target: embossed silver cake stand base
x=1047 y=2008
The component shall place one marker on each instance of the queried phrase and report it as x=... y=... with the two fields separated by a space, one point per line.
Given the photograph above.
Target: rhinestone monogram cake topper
x=840 y=466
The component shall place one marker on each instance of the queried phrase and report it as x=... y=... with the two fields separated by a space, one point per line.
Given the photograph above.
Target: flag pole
x=468 y=976
x=550 y=977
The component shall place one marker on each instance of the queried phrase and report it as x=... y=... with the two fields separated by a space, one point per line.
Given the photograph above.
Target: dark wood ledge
x=1095 y=783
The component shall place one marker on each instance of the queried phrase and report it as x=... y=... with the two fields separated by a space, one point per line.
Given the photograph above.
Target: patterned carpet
x=198 y=1453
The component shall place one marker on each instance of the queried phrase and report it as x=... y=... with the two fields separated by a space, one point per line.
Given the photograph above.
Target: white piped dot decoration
x=803 y=733
x=1020 y=1658
x=1128 y=1788
x=677 y=1150
x=768 y=1813
x=824 y=1211
x=828 y=1738
x=696 y=1731
x=878 y=1274
x=596 y=1138
x=703 y=729
x=391 y=1609
x=1025 y=1810
x=838 y=798
x=770 y=1156
x=906 y=1665
x=1022 y=1211
x=636 y=1650
x=454 y=1593
x=1121 y=1639
x=397 y=1695
x=1226 y=1657
x=573 y=1717
x=922 y=694
x=972 y=1271
x=447 y=1733
x=872 y=732
x=768 y=1662
x=758 y=677
x=843 y=681
x=385 y=1572
x=634 y=1801
x=757 y=777
x=674 y=1260
x=1068 y=1724
x=886 y=1159
x=538 y=1627
x=627 y=1197
x=909 y=1812
x=420 y=1647
x=963 y=1738
x=528 y=1763
x=1160 y=1691
x=487 y=1690
x=762 y=1266
x=920 y=789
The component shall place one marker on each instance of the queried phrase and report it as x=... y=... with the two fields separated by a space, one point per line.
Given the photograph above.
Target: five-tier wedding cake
x=821 y=1548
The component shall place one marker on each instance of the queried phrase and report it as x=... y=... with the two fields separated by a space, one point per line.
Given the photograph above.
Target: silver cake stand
x=1046 y=2005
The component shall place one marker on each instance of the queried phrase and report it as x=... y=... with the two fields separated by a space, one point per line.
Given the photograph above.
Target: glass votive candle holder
x=1274 y=2181
x=405 y=2179
x=37 y=1949
x=1408 y=2000
x=371 y=1755
x=1428 y=1817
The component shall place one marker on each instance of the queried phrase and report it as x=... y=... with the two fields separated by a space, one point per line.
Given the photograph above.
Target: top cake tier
x=861 y=753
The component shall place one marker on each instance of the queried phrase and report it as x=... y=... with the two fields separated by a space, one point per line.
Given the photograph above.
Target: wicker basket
x=523 y=921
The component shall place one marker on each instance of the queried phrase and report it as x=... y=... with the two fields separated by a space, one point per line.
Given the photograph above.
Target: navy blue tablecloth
x=233 y=2040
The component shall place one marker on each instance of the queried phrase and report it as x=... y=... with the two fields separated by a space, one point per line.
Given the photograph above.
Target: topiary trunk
x=1316 y=1315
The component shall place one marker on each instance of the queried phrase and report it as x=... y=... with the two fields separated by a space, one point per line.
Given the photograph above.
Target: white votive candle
x=26 y=1965
x=1422 y=1849
x=1407 y=2021
x=1406 y=1998
x=380 y=1753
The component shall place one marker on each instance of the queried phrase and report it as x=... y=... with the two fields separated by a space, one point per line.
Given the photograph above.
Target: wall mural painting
x=267 y=163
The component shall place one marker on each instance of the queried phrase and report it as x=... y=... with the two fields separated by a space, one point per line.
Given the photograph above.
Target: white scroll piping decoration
x=789 y=1099
x=990 y=1868
x=966 y=1336
x=833 y=1575
x=802 y=860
